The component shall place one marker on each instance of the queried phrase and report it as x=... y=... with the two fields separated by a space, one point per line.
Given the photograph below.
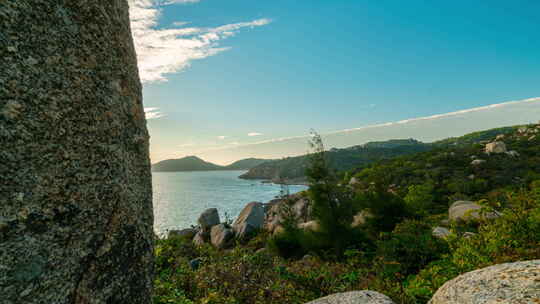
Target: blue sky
x=215 y=71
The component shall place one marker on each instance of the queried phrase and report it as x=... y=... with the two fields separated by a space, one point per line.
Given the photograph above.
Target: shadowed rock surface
x=517 y=283
x=75 y=184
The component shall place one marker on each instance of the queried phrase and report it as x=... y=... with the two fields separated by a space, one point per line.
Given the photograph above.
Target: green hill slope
x=292 y=169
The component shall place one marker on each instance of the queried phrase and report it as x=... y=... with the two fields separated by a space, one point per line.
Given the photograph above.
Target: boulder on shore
x=186 y=233
x=250 y=219
x=208 y=219
x=199 y=239
x=298 y=204
x=221 y=236
x=516 y=283
x=354 y=297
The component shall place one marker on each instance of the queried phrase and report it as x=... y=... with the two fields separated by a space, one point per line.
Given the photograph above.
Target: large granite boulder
x=516 y=283
x=75 y=181
x=298 y=205
x=466 y=211
x=250 y=219
x=361 y=218
x=355 y=297
x=495 y=147
x=208 y=219
x=221 y=236
x=441 y=232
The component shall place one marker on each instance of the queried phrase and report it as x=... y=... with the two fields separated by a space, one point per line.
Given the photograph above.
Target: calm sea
x=180 y=197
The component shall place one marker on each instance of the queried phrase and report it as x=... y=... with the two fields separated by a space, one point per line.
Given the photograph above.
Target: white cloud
x=221 y=137
x=180 y=1
x=254 y=134
x=152 y=113
x=165 y=51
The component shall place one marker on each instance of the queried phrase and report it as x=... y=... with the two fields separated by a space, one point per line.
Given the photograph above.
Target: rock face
x=496 y=147
x=516 y=283
x=467 y=211
x=355 y=297
x=250 y=219
x=75 y=179
x=220 y=236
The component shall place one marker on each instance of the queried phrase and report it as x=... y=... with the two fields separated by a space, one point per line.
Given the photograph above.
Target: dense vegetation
x=193 y=163
x=293 y=169
x=394 y=251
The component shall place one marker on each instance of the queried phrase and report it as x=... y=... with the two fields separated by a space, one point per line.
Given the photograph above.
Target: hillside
x=402 y=228
x=459 y=168
x=292 y=169
x=189 y=163
x=245 y=164
x=193 y=163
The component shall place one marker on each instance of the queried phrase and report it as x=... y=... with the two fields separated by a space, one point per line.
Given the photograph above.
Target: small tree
x=332 y=205
x=419 y=199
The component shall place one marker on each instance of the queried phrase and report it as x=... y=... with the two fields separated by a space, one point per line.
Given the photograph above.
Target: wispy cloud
x=406 y=121
x=152 y=113
x=254 y=134
x=165 y=51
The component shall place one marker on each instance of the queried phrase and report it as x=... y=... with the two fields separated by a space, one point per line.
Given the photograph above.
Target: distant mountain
x=193 y=163
x=245 y=164
x=189 y=163
x=292 y=169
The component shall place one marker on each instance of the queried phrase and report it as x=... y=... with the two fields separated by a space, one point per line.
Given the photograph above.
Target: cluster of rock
x=517 y=283
x=495 y=147
x=222 y=235
x=463 y=212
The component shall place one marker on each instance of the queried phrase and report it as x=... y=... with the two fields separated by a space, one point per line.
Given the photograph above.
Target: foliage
x=405 y=198
x=385 y=209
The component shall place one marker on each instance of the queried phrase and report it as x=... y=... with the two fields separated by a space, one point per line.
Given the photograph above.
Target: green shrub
x=386 y=209
x=409 y=248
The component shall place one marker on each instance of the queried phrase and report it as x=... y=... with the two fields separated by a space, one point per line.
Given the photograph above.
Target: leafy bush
x=386 y=209
x=396 y=254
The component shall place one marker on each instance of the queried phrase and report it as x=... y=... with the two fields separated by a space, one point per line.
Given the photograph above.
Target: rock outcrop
x=440 y=232
x=250 y=219
x=75 y=182
x=517 y=283
x=495 y=147
x=188 y=233
x=221 y=236
x=208 y=219
x=298 y=204
x=464 y=211
x=354 y=297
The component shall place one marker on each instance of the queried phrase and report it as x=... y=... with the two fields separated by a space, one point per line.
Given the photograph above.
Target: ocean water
x=180 y=197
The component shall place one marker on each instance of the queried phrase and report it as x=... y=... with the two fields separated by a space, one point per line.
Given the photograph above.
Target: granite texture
x=517 y=283
x=75 y=185
x=355 y=297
